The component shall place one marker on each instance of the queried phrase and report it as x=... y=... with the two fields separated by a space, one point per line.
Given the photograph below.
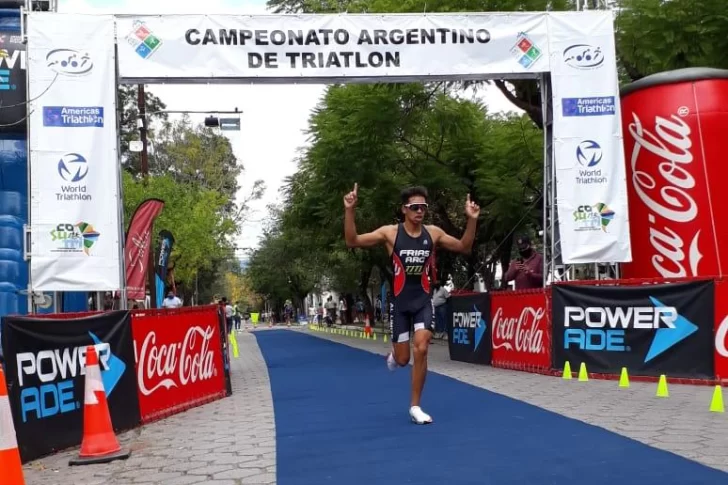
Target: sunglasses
x=416 y=207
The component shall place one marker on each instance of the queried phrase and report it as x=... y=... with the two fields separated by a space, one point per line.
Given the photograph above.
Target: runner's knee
x=420 y=347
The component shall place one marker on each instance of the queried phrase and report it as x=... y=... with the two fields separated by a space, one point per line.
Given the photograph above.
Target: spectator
x=527 y=269
x=171 y=301
x=237 y=318
x=378 y=309
x=359 y=310
x=320 y=313
x=439 y=301
x=331 y=309
x=342 y=310
x=228 y=314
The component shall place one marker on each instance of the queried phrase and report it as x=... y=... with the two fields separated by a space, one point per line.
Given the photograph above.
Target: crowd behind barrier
x=676 y=327
x=154 y=363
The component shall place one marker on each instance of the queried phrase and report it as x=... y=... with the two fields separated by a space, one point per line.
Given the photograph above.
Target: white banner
x=74 y=172
x=73 y=138
x=591 y=184
x=328 y=47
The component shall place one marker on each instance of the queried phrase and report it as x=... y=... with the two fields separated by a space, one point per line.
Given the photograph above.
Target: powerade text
x=56 y=370
x=606 y=326
x=462 y=323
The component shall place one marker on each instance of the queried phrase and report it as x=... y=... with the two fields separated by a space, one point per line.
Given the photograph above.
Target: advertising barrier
x=521 y=330
x=467 y=328
x=721 y=329
x=45 y=368
x=179 y=359
x=650 y=329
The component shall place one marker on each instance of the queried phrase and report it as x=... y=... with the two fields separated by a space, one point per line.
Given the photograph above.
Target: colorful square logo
x=526 y=52
x=143 y=40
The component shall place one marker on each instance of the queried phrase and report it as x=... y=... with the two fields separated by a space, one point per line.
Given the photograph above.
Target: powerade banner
x=166 y=242
x=45 y=367
x=469 y=335
x=649 y=329
x=13 y=111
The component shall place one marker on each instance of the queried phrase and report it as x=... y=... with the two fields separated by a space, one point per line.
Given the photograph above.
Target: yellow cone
x=567 y=371
x=624 y=378
x=662 y=387
x=716 y=404
x=583 y=376
x=374 y=336
x=385 y=338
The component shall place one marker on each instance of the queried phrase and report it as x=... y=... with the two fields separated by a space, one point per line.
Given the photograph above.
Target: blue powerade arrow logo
x=666 y=338
x=480 y=328
x=112 y=375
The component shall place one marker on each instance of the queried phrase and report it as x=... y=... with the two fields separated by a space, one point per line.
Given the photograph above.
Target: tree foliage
x=192 y=213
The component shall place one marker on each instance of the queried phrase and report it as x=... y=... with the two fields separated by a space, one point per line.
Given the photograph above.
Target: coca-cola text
x=189 y=361
x=669 y=155
x=523 y=333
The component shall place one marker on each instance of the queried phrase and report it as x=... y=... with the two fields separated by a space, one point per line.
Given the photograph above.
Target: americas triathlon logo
x=143 y=40
x=463 y=322
x=526 y=51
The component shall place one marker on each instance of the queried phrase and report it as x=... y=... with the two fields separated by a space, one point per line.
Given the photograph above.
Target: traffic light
x=212 y=122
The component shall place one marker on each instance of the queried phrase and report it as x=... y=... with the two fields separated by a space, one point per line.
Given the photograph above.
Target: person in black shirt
x=411 y=245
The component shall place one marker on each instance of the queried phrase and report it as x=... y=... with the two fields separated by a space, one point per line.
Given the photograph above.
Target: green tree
x=281 y=269
x=198 y=155
x=660 y=35
x=193 y=214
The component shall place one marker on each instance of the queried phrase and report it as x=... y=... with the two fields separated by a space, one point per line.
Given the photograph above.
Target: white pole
x=120 y=191
x=29 y=246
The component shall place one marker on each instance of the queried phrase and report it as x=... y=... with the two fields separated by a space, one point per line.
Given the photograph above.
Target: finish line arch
x=76 y=62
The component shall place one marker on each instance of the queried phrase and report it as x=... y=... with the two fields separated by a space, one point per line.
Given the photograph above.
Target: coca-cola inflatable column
x=675 y=137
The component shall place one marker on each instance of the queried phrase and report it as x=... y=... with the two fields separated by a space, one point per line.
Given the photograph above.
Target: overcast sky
x=274 y=116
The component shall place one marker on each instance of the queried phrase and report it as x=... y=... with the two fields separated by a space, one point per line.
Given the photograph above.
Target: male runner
x=411 y=245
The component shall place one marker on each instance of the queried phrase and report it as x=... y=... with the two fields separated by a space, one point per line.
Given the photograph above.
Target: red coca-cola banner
x=721 y=330
x=179 y=361
x=674 y=131
x=521 y=330
x=137 y=247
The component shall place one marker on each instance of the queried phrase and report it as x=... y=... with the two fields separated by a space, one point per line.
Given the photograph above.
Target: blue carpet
x=341 y=418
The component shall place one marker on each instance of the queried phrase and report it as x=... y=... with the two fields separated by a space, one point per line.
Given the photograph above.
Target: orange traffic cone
x=99 y=443
x=12 y=469
x=367 y=326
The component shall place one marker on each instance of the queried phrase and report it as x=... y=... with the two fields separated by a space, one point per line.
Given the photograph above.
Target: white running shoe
x=418 y=416
x=391 y=363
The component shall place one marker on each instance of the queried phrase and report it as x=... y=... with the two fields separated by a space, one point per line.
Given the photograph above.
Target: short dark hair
x=410 y=192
